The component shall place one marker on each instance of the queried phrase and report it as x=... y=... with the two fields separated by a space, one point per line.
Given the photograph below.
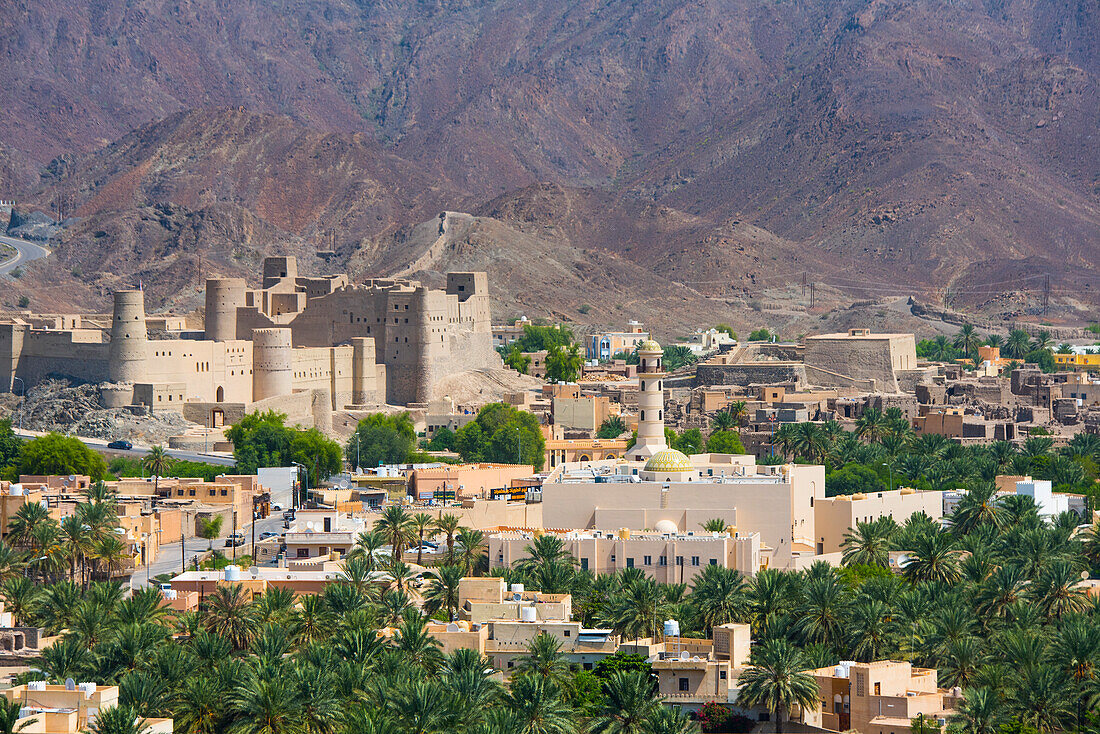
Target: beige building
x=482 y=599
x=668 y=557
x=571 y=450
x=461 y=481
x=310 y=577
x=882 y=697
x=691 y=672
x=388 y=340
x=859 y=359
x=674 y=493
x=58 y=709
x=833 y=516
x=585 y=413
x=603 y=347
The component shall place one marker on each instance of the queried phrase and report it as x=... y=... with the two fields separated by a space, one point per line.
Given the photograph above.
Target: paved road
x=169 y=559
x=25 y=252
x=100 y=444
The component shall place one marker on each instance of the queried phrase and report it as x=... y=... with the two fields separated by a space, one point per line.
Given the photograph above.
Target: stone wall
x=749 y=374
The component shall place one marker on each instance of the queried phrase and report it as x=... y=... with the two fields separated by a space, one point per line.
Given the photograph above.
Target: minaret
x=651 y=402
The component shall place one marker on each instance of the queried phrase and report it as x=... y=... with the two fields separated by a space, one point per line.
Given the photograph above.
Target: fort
x=322 y=342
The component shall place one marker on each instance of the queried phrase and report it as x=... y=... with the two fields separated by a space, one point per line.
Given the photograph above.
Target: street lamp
x=22 y=398
x=301 y=467
x=891 y=468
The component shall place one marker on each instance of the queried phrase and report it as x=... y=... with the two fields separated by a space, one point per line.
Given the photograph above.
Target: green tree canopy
x=57 y=454
x=502 y=434
x=264 y=439
x=381 y=439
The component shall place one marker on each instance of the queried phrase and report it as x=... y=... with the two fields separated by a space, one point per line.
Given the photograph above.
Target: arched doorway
x=220 y=395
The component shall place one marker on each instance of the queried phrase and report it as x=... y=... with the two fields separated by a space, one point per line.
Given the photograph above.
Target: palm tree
x=1018 y=344
x=722 y=421
x=12 y=562
x=26 y=519
x=76 y=543
x=366 y=545
x=397 y=527
x=201 y=707
x=981 y=712
x=265 y=705
x=714 y=525
x=932 y=557
x=110 y=551
x=668 y=720
x=869 y=543
x=422 y=707
x=967 y=340
x=448 y=524
x=638 y=610
x=1076 y=652
x=443 y=591
x=1043 y=340
x=978 y=507
x=871 y=426
x=158 y=463
x=820 y=616
x=544 y=659
x=470 y=542
x=545 y=550
x=540 y=707
x=777 y=681
x=994 y=340
x=231 y=615
x=1041 y=698
x=20 y=598
x=117 y=720
x=1056 y=591
x=10 y=712
x=630 y=703
x=416 y=645
x=424 y=526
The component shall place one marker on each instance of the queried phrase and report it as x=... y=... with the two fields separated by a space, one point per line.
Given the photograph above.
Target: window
x=878 y=688
x=721 y=675
x=647 y=560
x=191 y=493
x=303 y=552
x=714 y=561
x=613 y=558
x=684 y=684
x=679 y=560
x=511 y=663
x=225 y=493
x=630 y=563
x=662 y=561
x=567 y=632
x=588 y=666
x=695 y=560
x=584 y=564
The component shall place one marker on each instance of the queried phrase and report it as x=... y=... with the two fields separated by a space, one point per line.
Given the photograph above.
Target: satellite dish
x=70 y=684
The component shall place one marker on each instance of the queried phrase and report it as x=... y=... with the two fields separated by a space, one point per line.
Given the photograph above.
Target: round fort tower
x=272 y=361
x=223 y=296
x=129 y=338
x=651 y=402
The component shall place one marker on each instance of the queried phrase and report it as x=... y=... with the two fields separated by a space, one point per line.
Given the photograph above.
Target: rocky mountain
x=722 y=148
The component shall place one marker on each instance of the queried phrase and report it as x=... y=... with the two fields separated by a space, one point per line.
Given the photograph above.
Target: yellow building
x=1077 y=362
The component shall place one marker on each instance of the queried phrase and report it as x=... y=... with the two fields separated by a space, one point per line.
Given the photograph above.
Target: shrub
x=760 y=335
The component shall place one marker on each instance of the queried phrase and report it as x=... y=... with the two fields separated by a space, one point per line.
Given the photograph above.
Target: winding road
x=25 y=252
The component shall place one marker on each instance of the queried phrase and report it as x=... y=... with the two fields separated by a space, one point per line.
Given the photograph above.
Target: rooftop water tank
x=528 y=614
x=232 y=573
x=672 y=628
x=517 y=588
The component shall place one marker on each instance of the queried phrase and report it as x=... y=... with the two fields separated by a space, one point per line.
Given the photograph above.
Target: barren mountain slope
x=874 y=144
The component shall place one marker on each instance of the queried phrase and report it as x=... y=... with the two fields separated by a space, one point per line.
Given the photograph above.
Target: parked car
x=268 y=534
x=235 y=540
x=121 y=444
x=288 y=515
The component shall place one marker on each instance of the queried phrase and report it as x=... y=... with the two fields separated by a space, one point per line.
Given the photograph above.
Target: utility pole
x=1046 y=294
x=183 y=552
x=253 y=530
